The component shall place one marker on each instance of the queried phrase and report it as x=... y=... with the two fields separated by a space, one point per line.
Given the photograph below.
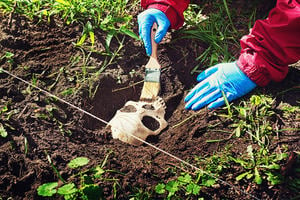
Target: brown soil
x=65 y=133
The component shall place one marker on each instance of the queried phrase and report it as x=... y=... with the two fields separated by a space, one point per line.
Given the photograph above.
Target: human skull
x=138 y=119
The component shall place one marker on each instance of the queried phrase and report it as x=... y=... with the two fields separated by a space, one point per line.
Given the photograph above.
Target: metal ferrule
x=152 y=75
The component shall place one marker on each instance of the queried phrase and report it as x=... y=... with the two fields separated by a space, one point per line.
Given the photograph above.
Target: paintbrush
x=151 y=85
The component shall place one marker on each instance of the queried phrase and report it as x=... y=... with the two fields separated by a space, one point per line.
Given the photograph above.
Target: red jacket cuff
x=175 y=20
x=257 y=73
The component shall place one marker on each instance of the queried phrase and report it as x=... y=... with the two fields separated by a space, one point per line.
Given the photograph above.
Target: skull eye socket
x=148 y=107
x=150 y=123
x=128 y=109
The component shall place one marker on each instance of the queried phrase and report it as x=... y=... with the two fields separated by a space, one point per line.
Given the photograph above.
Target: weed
x=214 y=31
x=191 y=185
x=8 y=56
x=253 y=118
x=87 y=188
x=84 y=74
x=289 y=111
x=184 y=182
x=6 y=112
x=3 y=132
x=112 y=17
x=260 y=165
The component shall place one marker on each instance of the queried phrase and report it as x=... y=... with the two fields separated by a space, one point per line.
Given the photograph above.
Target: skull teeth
x=159 y=103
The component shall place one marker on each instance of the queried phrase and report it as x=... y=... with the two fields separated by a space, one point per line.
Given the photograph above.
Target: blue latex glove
x=146 y=20
x=226 y=77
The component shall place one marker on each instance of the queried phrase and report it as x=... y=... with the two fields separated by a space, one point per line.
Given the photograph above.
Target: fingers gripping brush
x=151 y=85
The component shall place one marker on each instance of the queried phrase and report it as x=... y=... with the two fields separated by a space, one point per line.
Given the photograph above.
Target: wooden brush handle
x=153 y=43
x=153 y=61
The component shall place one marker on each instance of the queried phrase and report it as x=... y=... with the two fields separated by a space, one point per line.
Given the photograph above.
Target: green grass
x=214 y=31
x=217 y=30
x=253 y=117
x=112 y=17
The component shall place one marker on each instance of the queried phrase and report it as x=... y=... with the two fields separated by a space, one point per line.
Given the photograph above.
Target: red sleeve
x=272 y=44
x=172 y=8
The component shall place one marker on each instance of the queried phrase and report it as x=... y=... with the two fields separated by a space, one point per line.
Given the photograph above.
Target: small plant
x=8 y=56
x=260 y=165
x=185 y=182
x=192 y=185
x=69 y=190
x=88 y=186
x=289 y=111
x=6 y=113
x=3 y=132
x=253 y=118
x=112 y=17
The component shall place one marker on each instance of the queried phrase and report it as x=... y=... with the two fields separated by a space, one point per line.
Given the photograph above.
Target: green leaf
x=281 y=156
x=78 y=162
x=273 y=166
x=243 y=112
x=92 y=37
x=67 y=189
x=160 y=188
x=250 y=175
x=98 y=172
x=193 y=188
x=66 y=3
x=209 y=182
x=130 y=33
x=185 y=179
x=47 y=189
x=172 y=187
x=68 y=91
x=241 y=176
x=250 y=151
x=9 y=55
x=82 y=39
x=257 y=177
x=238 y=131
x=109 y=37
x=89 y=26
x=3 y=132
x=273 y=178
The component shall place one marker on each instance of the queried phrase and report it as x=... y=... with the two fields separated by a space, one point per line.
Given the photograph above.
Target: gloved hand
x=226 y=77
x=146 y=20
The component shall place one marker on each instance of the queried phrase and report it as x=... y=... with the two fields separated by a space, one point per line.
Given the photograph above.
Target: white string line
x=141 y=140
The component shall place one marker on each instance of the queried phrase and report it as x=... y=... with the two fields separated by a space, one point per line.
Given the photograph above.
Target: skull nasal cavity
x=148 y=107
x=128 y=109
x=150 y=123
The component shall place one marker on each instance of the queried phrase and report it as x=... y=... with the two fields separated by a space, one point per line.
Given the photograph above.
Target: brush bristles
x=150 y=91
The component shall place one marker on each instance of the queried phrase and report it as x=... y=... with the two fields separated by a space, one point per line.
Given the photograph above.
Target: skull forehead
x=128 y=121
